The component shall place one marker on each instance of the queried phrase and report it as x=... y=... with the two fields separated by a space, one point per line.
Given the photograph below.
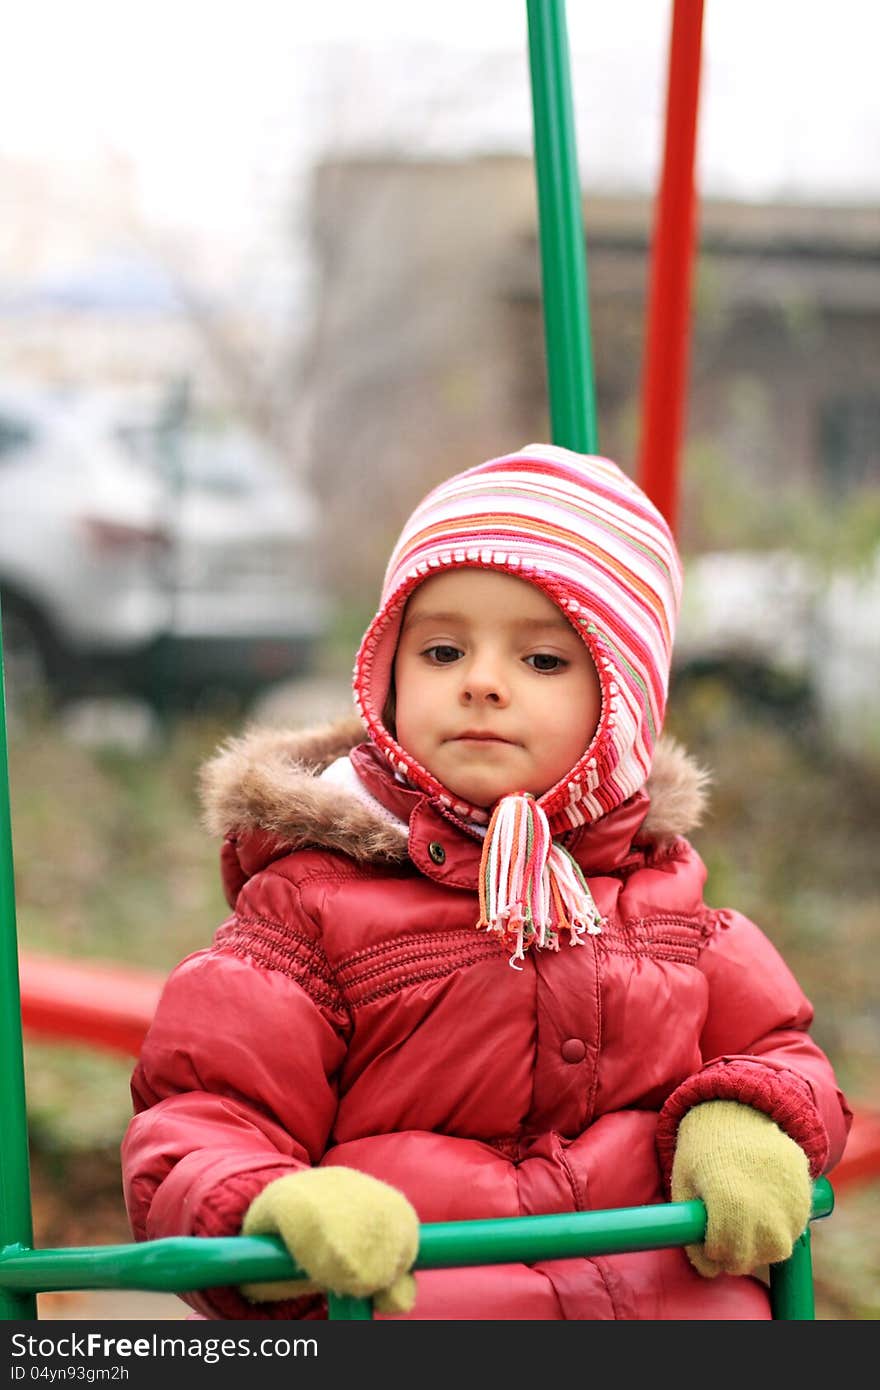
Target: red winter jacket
x=349 y=1012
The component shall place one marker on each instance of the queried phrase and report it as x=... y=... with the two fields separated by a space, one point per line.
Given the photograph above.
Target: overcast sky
x=218 y=105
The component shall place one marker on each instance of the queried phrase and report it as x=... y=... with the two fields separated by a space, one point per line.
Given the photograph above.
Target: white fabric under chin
x=342 y=774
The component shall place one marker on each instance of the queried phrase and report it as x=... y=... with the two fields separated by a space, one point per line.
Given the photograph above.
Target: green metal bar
x=15 y=1190
x=179 y=1263
x=606 y=1233
x=561 y=233
x=172 y=1265
x=527 y=1238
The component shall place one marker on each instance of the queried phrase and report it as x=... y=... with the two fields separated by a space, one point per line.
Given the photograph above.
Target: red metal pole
x=667 y=337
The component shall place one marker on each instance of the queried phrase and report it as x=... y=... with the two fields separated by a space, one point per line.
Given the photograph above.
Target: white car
x=787 y=633
x=749 y=608
x=141 y=555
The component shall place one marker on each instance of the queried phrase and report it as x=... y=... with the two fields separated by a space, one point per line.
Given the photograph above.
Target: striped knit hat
x=580 y=530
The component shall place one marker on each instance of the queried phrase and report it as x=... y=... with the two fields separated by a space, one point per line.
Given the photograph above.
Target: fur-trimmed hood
x=268 y=781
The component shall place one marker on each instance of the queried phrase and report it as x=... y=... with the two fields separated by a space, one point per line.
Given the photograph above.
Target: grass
x=111 y=862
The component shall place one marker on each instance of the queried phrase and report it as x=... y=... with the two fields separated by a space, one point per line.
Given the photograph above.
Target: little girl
x=468 y=970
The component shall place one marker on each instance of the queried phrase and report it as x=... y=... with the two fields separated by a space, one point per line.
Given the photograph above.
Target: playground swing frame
x=182 y=1264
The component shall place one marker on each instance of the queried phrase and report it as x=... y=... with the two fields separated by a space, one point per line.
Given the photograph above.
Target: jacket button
x=437 y=852
x=573 y=1050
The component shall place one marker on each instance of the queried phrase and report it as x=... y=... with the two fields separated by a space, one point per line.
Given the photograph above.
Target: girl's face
x=496 y=692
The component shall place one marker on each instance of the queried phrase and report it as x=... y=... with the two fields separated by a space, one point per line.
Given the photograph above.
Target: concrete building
x=429 y=351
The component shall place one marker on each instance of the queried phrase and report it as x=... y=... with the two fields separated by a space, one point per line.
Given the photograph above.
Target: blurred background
x=267 y=273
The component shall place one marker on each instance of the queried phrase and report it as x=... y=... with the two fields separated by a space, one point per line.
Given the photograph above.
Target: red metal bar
x=667 y=338
x=861 y=1158
x=103 y=1006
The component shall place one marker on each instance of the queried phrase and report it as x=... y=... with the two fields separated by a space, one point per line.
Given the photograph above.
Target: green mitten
x=350 y=1233
x=754 y=1180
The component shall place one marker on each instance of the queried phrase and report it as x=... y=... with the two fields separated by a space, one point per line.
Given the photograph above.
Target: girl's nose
x=484 y=684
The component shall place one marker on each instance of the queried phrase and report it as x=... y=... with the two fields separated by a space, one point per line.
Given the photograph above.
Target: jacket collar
x=264 y=793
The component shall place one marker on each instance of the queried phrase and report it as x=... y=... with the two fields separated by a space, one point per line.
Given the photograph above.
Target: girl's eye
x=545 y=661
x=442 y=655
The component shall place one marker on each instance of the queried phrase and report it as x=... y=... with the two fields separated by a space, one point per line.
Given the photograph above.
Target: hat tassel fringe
x=531 y=889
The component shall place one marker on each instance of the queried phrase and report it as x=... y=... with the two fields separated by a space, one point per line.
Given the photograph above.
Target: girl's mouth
x=480 y=736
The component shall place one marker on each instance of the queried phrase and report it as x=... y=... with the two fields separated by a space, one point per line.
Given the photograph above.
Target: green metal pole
x=793 y=1296
x=561 y=233
x=341 y=1309
x=791 y=1284
x=15 y=1188
x=792 y=1293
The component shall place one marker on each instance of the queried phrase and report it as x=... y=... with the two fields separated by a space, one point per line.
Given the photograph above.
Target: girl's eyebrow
x=416 y=619
x=524 y=624
x=431 y=619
